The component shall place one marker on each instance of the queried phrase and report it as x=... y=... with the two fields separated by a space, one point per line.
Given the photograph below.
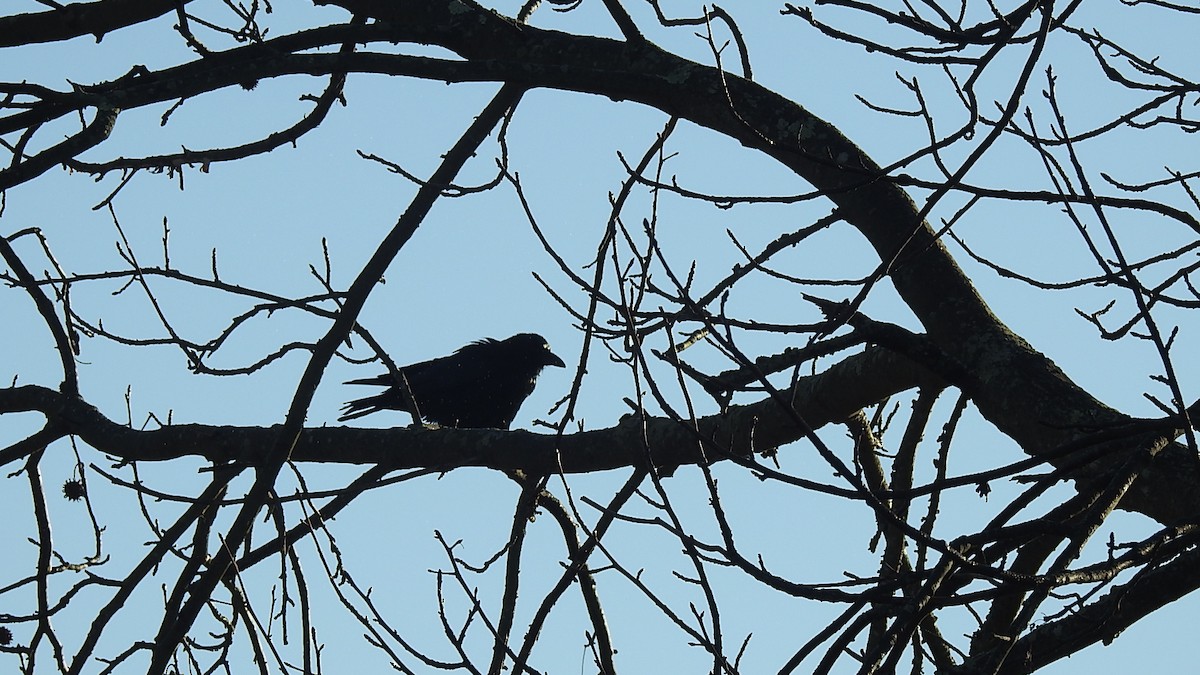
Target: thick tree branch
x=80 y=18
x=1100 y=621
x=830 y=396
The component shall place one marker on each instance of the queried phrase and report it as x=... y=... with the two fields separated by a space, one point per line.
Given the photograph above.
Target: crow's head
x=533 y=350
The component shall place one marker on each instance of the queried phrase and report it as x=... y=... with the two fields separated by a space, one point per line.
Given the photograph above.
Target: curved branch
x=89 y=137
x=62 y=342
x=332 y=93
x=1023 y=393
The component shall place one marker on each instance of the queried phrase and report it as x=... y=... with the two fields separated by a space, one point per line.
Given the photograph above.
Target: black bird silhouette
x=480 y=386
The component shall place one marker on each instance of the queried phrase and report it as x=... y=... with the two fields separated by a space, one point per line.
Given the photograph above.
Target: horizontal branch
x=831 y=396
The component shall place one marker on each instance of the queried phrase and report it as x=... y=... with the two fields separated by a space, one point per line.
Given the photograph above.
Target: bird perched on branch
x=480 y=386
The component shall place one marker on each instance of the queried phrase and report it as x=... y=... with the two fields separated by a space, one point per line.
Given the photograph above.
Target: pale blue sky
x=468 y=274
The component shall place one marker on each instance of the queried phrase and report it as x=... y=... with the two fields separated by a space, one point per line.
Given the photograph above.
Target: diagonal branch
x=1102 y=621
x=283 y=440
x=78 y=19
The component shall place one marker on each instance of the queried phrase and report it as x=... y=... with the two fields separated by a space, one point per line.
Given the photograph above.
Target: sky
x=469 y=273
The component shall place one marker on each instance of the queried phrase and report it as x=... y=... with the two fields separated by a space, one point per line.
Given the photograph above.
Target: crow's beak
x=553 y=360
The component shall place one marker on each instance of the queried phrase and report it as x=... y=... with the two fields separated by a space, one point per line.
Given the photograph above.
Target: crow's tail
x=363 y=406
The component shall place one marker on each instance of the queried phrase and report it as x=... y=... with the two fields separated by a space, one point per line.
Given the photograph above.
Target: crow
x=480 y=386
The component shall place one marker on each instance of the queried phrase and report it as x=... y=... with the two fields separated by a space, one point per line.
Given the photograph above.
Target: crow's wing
x=481 y=385
x=444 y=390
x=397 y=396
